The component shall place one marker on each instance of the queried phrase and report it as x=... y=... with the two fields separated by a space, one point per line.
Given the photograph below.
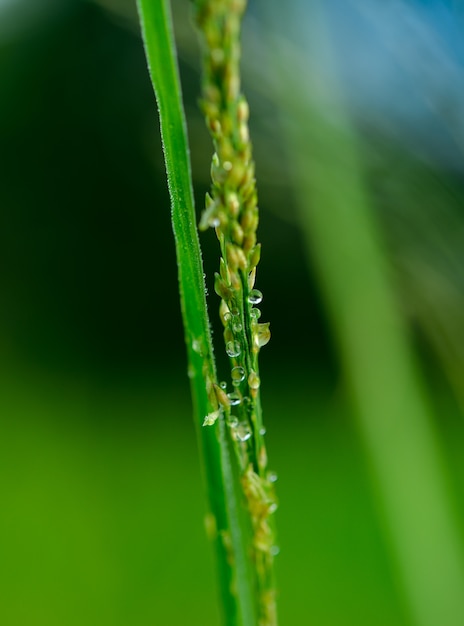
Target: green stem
x=223 y=486
x=232 y=210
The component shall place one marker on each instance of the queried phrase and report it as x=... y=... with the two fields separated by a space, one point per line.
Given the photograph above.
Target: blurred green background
x=101 y=496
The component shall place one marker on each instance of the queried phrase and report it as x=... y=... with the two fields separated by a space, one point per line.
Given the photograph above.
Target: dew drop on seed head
x=272 y=507
x=255 y=313
x=227 y=316
x=255 y=296
x=223 y=385
x=236 y=325
x=237 y=374
x=232 y=421
x=243 y=431
x=233 y=348
x=234 y=398
x=235 y=312
x=272 y=477
x=275 y=550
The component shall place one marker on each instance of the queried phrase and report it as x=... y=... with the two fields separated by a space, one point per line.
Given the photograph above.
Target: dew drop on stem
x=237 y=375
x=233 y=348
x=243 y=431
x=234 y=398
x=255 y=296
x=236 y=325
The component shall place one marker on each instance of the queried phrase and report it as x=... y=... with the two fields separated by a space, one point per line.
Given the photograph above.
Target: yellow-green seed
x=237 y=233
x=255 y=255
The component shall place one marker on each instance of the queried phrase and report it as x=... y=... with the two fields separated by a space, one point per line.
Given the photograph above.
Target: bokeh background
x=102 y=502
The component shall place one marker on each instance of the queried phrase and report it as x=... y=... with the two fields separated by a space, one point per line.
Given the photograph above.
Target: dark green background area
x=89 y=273
x=102 y=501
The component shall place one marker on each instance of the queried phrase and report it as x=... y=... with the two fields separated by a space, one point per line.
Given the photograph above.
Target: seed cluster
x=231 y=209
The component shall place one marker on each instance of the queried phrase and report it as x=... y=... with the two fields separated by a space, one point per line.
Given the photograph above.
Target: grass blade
x=226 y=526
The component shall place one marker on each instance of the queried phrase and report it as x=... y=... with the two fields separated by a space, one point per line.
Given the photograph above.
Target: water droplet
x=223 y=385
x=237 y=375
x=275 y=550
x=234 y=398
x=272 y=477
x=255 y=313
x=235 y=312
x=243 y=431
x=233 y=348
x=236 y=326
x=227 y=165
x=262 y=431
x=254 y=381
x=191 y=371
x=255 y=296
x=272 y=508
x=227 y=316
x=232 y=421
x=214 y=221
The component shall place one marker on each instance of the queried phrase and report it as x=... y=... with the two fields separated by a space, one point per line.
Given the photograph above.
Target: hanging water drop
x=233 y=348
x=232 y=421
x=275 y=550
x=243 y=431
x=234 y=398
x=223 y=385
x=237 y=374
x=262 y=431
x=255 y=296
x=255 y=313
